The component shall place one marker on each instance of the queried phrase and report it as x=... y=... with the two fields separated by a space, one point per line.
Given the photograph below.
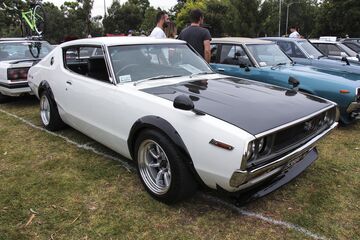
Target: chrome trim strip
x=247 y=51
x=109 y=66
x=292 y=123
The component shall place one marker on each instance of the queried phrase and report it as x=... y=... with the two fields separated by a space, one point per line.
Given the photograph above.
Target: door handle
x=221 y=69
x=68 y=82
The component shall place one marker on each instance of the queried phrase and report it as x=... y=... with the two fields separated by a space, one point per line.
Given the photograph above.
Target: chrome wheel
x=45 y=110
x=154 y=167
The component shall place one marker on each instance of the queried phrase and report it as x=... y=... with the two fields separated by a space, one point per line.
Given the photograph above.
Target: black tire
x=4 y=98
x=54 y=122
x=182 y=185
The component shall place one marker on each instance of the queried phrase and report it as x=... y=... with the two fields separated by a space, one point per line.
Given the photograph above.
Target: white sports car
x=159 y=103
x=17 y=55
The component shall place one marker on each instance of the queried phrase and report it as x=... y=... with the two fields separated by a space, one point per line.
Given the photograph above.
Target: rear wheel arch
x=44 y=85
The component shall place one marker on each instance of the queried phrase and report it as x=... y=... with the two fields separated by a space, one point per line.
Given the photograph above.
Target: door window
x=334 y=50
x=291 y=49
x=234 y=55
x=214 y=51
x=85 y=61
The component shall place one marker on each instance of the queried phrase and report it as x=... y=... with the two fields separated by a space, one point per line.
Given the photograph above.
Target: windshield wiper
x=155 y=78
x=201 y=73
x=277 y=65
x=25 y=60
x=321 y=56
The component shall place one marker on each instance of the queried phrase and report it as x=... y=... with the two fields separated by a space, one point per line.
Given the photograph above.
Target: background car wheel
x=162 y=168
x=4 y=99
x=49 y=112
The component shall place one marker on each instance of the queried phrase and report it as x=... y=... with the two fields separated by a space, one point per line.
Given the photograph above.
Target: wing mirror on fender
x=344 y=59
x=294 y=82
x=184 y=102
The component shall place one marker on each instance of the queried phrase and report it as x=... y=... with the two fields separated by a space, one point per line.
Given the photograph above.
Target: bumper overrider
x=242 y=179
x=354 y=109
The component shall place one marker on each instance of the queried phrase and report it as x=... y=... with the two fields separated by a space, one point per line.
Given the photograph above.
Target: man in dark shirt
x=198 y=37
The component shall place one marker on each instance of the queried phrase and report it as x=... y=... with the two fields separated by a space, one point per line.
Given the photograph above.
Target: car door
x=90 y=98
x=234 y=61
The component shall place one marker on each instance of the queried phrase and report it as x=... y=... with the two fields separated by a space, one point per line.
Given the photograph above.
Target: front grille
x=287 y=140
x=294 y=134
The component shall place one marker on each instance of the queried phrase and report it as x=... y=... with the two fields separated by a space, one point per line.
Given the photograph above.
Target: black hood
x=252 y=106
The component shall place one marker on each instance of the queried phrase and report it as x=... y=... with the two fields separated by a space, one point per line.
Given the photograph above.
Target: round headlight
x=327 y=118
x=249 y=151
x=261 y=145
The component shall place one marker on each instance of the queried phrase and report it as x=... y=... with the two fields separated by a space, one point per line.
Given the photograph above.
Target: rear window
x=23 y=50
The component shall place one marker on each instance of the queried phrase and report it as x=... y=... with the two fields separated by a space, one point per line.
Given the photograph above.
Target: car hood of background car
x=320 y=73
x=251 y=106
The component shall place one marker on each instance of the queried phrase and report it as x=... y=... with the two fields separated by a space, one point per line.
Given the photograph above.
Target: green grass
x=80 y=195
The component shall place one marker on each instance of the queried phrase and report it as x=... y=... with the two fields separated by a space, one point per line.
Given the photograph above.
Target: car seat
x=97 y=68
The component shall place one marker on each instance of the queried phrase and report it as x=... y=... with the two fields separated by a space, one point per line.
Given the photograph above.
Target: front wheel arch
x=163 y=126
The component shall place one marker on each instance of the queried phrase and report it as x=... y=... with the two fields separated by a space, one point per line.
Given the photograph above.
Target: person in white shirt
x=162 y=20
x=294 y=33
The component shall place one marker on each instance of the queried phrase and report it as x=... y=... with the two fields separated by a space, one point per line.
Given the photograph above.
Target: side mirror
x=294 y=82
x=344 y=59
x=183 y=102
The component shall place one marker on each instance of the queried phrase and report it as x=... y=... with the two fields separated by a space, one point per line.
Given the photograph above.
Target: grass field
x=52 y=189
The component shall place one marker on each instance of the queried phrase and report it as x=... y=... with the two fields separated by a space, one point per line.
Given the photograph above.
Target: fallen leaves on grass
x=30 y=220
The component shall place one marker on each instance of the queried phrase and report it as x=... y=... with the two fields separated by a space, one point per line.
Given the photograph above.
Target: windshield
x=310 y=49
x=348 y=51
x=23 y=50
x=137 y=62
x=268 y=54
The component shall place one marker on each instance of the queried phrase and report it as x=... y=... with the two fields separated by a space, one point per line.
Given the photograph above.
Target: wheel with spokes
x=49 y=112
x=162 y=168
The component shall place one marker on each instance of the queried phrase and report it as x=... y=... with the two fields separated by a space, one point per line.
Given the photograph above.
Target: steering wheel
x=118 y=73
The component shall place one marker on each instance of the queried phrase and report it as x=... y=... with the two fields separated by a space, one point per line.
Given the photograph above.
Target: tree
x=55 y=21
x=214 y=16
x=149 y=21
x=242 y=18
x=143 y=5
x=332 y=20
x=122 y=18
x=182 y=17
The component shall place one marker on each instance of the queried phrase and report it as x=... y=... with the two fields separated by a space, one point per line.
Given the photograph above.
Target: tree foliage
x=249 y=18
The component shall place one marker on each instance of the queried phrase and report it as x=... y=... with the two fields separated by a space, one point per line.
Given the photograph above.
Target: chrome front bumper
x=242 y=179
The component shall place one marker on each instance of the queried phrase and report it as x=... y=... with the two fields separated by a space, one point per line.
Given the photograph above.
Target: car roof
x=240 y=40
x=111 y=41
x=323 y=41
x=284 y=38
x=7 y=40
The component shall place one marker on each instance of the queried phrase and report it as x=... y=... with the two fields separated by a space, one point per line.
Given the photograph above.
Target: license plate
x=292 y=162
